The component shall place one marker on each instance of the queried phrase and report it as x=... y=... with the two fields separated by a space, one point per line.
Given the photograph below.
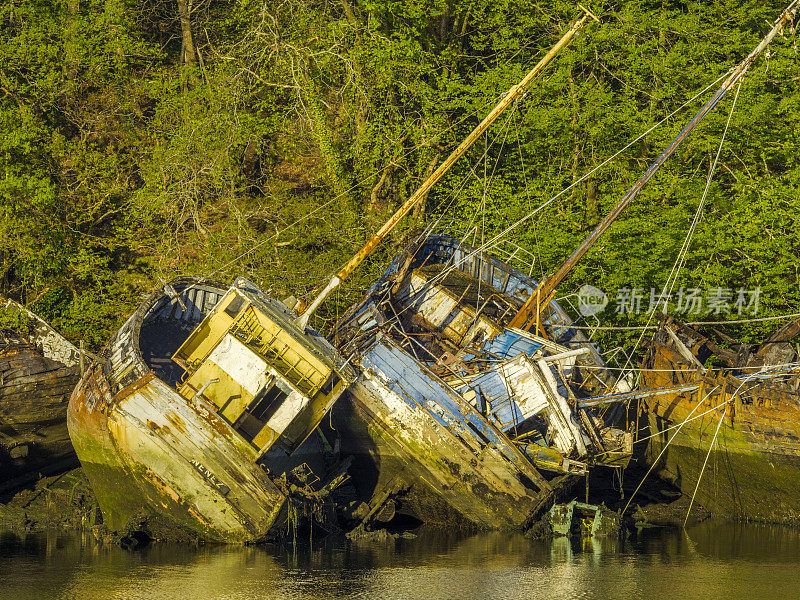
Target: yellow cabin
x=271 y=381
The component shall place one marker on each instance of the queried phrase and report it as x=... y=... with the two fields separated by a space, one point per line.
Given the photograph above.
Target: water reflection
x=706 y=561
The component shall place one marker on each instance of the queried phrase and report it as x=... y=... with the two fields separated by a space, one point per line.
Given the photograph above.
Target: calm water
x=707 y=561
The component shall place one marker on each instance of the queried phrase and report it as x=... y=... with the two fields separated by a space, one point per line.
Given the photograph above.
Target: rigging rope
x=638 y=327
x=495 y=240
x=703 y=468
x=663 y=450
x=681 y=258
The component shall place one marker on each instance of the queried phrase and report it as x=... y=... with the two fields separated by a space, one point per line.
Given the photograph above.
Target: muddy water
x=706 y=561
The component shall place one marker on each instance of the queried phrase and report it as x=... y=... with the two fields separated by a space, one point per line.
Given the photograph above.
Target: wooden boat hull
x=753 y=470
x=418 y=437
x=153 y=455
x=753 y=473
x=34 y=394
x=149 y=452
x=437 y=401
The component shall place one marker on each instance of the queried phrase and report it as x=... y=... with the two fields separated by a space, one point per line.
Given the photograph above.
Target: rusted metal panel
x=758 y=416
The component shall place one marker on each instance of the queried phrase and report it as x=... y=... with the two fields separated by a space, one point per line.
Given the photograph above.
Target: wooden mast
x=513 y=94
x=544 y=293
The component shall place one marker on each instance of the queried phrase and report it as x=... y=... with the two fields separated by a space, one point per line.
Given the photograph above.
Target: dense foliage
x=140 y=139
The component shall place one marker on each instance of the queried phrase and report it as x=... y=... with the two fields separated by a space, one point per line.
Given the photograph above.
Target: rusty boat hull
x=151 y=454
x=752 y=472
x=34 y=393
x=419 y=444
x=430 y=455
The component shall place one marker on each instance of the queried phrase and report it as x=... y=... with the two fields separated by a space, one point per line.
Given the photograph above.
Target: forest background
x=141 y=139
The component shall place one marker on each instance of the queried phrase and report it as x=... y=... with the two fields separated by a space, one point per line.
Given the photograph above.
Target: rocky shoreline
x=65 y=502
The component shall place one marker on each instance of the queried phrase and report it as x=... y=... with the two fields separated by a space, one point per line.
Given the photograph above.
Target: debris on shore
x=38 y=371
x=56 y=502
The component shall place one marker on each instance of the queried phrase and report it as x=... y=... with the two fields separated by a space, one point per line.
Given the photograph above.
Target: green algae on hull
x=435 y=490
x=740 y=480
x=737 y=434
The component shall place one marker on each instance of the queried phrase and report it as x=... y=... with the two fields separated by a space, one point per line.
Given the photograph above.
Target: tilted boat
x=198 y=398
x=728 y=435
x=199 y=390
x=445 y=384
x=416 y=320
x=457 y=417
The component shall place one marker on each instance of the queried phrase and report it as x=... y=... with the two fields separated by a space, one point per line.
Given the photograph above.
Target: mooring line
x=703 y=468
x=703 y=414
x=655 y=462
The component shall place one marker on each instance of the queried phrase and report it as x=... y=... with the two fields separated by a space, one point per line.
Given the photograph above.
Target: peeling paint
x=449 y=388
x=179 y=455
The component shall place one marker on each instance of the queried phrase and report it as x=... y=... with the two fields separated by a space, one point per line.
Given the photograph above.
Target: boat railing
x=267 y=344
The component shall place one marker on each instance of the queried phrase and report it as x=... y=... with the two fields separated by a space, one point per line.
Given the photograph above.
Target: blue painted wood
x=503 y=409
x=510 y=344
x=423 y=390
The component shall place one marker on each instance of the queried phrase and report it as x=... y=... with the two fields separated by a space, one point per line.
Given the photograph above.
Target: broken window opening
x=258 y=413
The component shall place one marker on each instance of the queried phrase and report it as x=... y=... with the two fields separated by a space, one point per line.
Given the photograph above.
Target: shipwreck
x=199 y=398
x=460 y=417
x=457 y=409
x=205 y=391
x=728 y=435
x=38 y=371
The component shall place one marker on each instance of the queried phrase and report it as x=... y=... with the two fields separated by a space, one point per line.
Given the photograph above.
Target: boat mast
x=530 y=312
x=513 y=94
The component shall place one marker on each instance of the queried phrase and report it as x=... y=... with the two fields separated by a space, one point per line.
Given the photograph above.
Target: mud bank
x=65 y=502
x=672 y=514
x=59 y=502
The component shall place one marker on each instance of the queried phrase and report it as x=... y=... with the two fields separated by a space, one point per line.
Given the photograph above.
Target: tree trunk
x=348 y=11
x=592 y=210
x=184 y=11
x=576 y=148
x=419 y=209
x=318 y=118
x=70 y=43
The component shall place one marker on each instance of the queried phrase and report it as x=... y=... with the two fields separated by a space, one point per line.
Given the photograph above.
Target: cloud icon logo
x=591 y=300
